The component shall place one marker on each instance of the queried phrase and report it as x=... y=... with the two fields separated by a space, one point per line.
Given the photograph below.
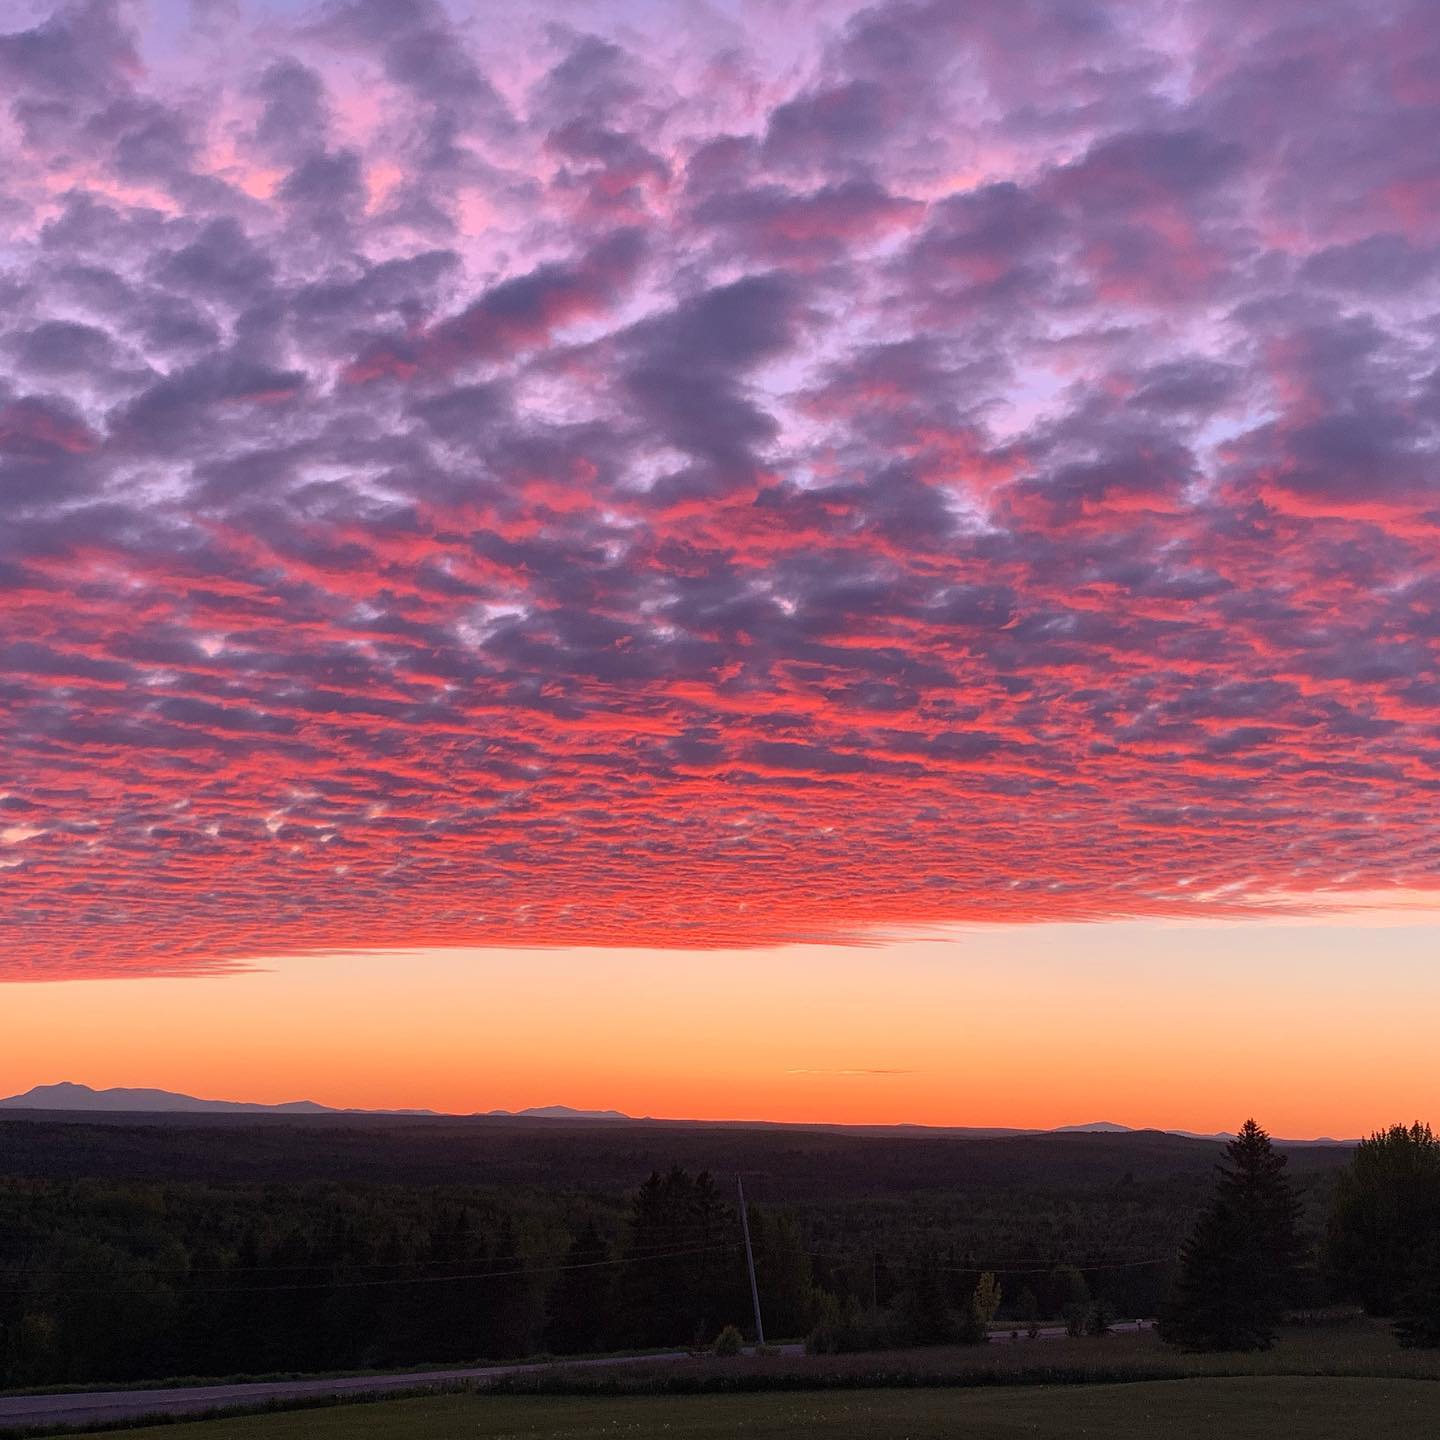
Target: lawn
x=1365 y=1349
x=1238 y=1408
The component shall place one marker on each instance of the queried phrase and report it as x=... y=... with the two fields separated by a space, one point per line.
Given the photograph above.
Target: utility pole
x=750 y=1261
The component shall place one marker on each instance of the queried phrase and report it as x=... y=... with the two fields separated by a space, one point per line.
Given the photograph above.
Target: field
x=1315 y=1384
x=1362 y=1350
x=1242 y=1407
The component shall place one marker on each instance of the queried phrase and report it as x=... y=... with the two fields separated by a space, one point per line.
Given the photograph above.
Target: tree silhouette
x=1385 y=1213
x=684 y=1275
x=1238 y=1268
x=1076 y=1304
x=583 y=1301
x=1417 y=1316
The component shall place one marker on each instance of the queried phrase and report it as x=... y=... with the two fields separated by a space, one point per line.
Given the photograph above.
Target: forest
x=140 y=1250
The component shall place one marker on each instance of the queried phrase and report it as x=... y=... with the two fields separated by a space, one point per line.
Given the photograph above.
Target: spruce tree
x=582 y=1302
x=1238 y=1268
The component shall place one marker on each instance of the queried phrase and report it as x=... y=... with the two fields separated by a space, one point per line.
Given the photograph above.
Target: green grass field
x=1237 y=1408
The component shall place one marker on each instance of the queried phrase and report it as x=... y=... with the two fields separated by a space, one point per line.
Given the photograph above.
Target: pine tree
x=582 y=1302
x=927 y=1314
x=1238 y=1268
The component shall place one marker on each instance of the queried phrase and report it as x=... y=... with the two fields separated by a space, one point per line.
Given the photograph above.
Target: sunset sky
x=773 y=558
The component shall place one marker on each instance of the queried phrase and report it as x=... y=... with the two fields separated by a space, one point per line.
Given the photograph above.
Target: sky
x=886 y=512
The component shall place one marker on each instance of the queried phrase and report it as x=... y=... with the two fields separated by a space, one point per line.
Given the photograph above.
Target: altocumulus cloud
x=469 y=479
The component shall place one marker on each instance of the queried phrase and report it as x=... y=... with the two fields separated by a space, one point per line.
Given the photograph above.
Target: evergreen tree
x=783 y=1272
x=1027 y=1311
x=1076 y=1304
x=1100 y=1318
x=510 y=1301
x=582 y=1302
x=926 y=1313
x=684 y=1272
x=1238 y=1268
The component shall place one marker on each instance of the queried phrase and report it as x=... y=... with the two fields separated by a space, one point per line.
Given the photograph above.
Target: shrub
x=831 y=1320
x=823 y=1339
x=1076 y=1309
x=1028 y=1312
x=729 y=1342
x=970 y=1326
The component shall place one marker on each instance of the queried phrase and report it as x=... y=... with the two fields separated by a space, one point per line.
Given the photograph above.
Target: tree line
x=121 y=1280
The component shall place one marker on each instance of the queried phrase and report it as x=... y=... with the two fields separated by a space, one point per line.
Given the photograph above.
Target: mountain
x=69 y=1096
x=558 y=1112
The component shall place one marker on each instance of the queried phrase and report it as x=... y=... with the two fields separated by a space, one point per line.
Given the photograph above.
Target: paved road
x=94 y=1407
x=98 y=1406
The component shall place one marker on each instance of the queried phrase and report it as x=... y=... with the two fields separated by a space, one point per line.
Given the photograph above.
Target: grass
x=1239 y=1408
x=1316 y=1383
x=1365 y=1349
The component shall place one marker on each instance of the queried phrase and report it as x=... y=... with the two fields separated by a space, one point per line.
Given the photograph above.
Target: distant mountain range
x=70 y=1097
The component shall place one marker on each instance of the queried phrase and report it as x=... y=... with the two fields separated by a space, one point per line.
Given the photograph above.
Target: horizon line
x=603 y=1115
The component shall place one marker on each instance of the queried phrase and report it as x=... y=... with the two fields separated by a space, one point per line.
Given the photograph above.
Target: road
x=94 y=1407
x=99 y=1407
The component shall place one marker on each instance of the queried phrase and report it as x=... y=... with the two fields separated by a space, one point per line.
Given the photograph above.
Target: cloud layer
x=468 y=479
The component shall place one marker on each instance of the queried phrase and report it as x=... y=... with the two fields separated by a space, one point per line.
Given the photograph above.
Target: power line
x=392 y=1280
x=1041 y=1268
x=1031 y=1265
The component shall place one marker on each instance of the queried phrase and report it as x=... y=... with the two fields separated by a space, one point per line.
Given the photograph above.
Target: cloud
x=489 y=484
x=860 y=1073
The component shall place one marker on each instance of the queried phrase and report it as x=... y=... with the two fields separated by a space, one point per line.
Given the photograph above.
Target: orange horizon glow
x=1177 y=1026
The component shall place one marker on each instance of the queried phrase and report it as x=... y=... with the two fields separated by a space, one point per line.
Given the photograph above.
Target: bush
x=832 y=1318
x=1028 y=1312
x=971 y=1327
x=823 y=1339
x=987 y=1297
x=1076 y=1309
x=729 y=1342
x=877 y=1330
